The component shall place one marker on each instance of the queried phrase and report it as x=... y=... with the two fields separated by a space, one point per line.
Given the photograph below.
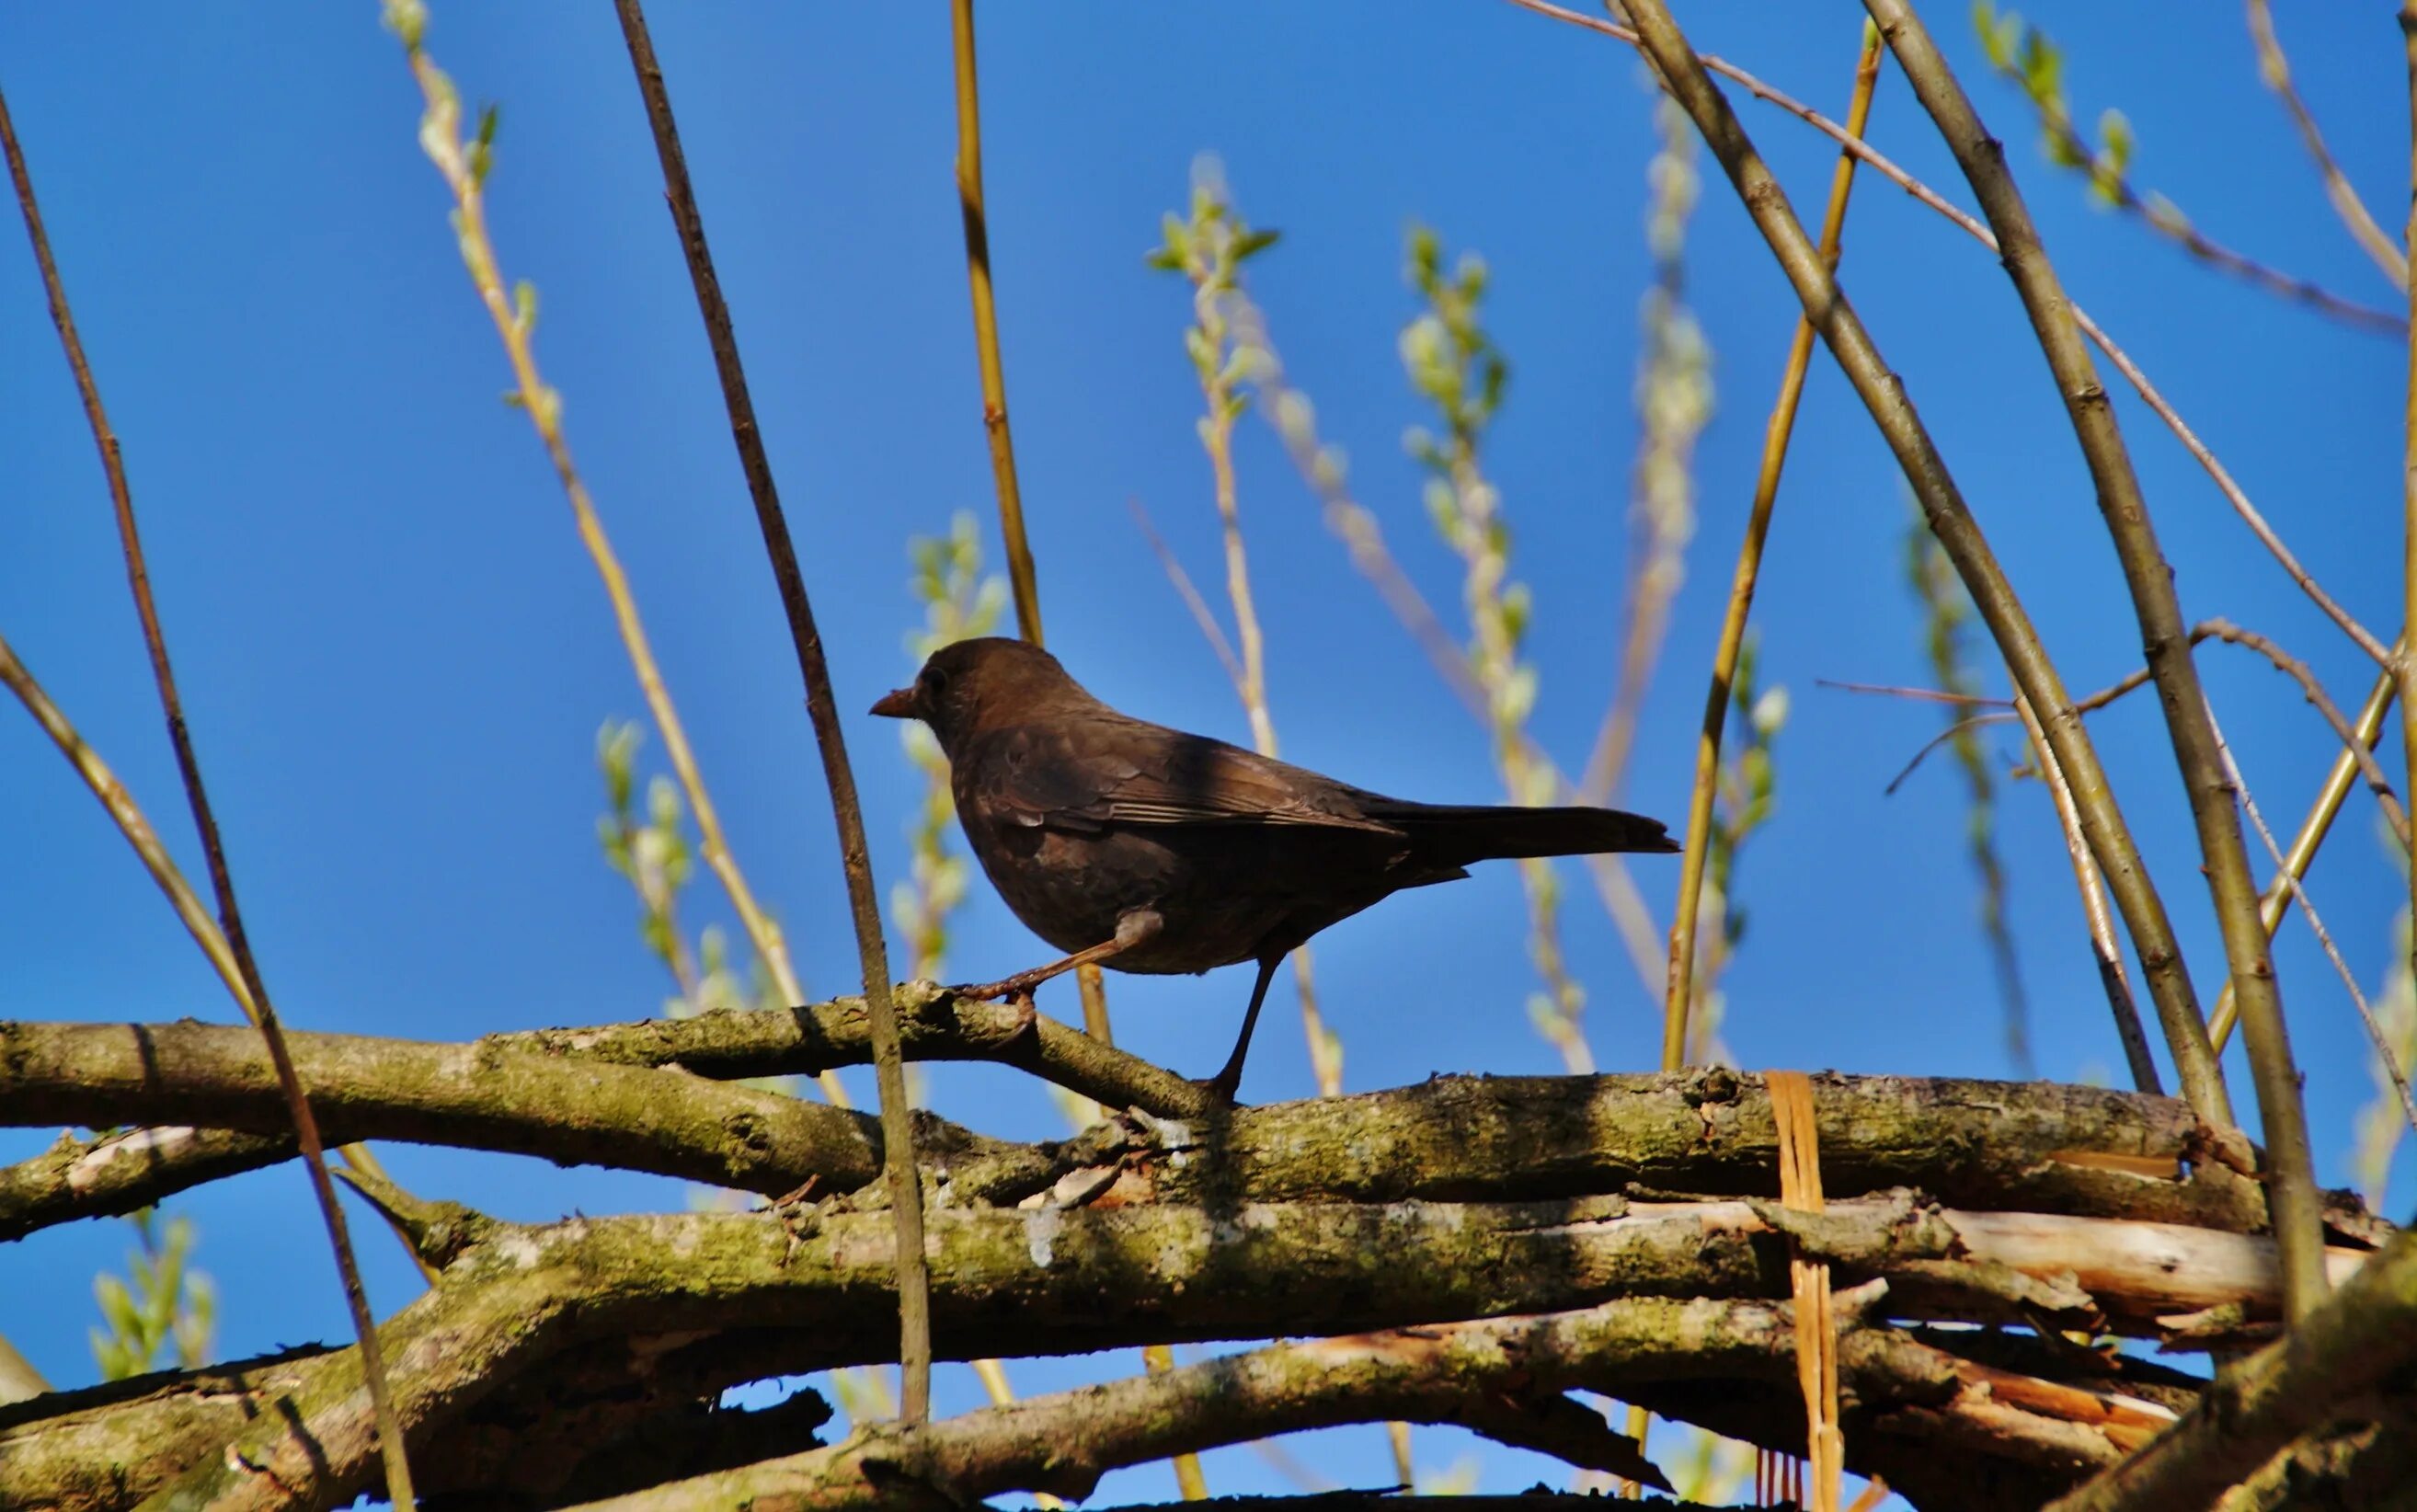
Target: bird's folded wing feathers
x=1127 y=772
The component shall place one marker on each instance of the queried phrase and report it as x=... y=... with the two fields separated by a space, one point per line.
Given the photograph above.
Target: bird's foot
x=1009 y=987
x=1221 y=1086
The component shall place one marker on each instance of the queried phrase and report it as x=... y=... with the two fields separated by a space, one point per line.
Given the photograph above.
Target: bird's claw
x=1010 y=988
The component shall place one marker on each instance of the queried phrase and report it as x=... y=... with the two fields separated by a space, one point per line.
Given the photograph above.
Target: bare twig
x=255 y=994
x=897 y=1117
x=1680 y=987
x=2383 y=1051
x=2103 y=947
x=2357 y=738
x=1935 y=695
x=1931 y=198
x=2233 y=495
x=1188 y=591
x=2368 y=729
x=1021 y=573
x=2407 y=661
x=1020 y=570
x=1946 y=619
x=2275 y=69
x=2297 y=670
x=2231 y=885
x=1950 y=735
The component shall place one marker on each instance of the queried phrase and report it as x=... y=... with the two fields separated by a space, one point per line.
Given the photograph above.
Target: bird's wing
x=1081 y=775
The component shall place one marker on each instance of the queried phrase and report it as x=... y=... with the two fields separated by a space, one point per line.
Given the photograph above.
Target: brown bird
x=1152 y=850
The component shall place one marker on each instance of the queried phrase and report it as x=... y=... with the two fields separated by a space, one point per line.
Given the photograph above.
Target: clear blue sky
x=396 y=657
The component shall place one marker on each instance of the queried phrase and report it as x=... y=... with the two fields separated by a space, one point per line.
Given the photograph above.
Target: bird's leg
x=1228 y=1082
x=1134 y=928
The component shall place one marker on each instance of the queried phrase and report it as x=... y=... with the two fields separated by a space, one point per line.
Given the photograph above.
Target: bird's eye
x=936 y=681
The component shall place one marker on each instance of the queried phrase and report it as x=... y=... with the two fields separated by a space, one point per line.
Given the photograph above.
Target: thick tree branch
x=1050 y=1279
x=119 y=1172
x=568 y=1111
x=2033 y=1147
x=1974 y=1143
x=1448 y=1373
x=932 y=1026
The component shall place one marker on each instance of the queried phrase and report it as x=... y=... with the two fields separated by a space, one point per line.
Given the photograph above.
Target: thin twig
x=2358 y=632
x=1960 y=728
x=1679 y=988
x=1020 y=570
x=1021 y=574
x=2103 y=947
x=2368 y=728
x=2383 y=1052
x=1188 y=591
x=2275 y=69
x=1951 y=520
x=1972 y=227
x=1673 y=398
x=1935 y=695
x=237 y=944
x=2408 y=660
x=897 y=1117
x=515 y=320
x=2224 y=855
x=1325 y=1049
x=2107 y=180
x=2297 y=670
x=2357 y=739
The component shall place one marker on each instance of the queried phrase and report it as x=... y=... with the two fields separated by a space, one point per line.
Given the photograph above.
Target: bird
x=1152 y=850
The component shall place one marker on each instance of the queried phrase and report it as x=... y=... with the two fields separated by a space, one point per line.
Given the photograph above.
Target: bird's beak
x=899 y=703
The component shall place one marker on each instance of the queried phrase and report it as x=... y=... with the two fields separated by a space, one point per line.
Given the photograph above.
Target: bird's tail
x=1457 y=835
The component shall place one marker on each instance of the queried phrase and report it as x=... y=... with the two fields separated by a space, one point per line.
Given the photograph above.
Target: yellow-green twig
x=2367 y=729
x=976 y=214
x=1678 y=995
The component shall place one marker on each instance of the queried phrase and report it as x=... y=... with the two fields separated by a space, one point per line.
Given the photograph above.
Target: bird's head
x=982 y=684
